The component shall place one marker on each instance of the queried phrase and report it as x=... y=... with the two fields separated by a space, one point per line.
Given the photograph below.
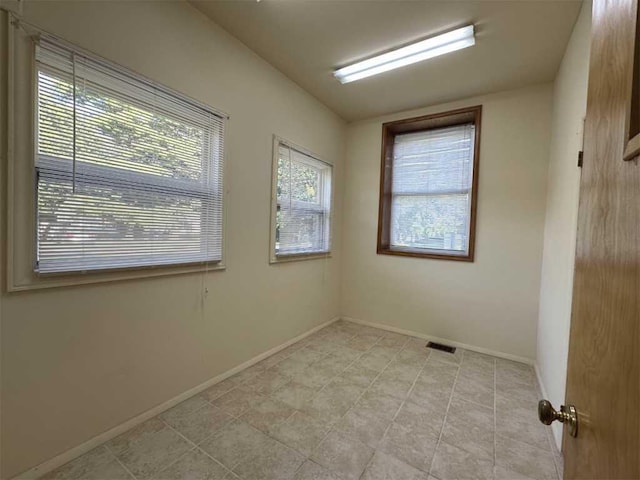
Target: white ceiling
x=518 y=42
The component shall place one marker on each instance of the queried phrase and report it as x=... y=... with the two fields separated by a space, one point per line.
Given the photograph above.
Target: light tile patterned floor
x=349 y=402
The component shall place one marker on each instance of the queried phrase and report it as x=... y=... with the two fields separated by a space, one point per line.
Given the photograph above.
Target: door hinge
x=580 y=157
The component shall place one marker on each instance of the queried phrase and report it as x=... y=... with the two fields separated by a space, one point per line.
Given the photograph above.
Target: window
x=428 y=185
x=301 y=204
x=129 y=174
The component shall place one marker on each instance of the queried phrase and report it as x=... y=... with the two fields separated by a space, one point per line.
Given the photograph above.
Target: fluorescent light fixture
x=417 y=52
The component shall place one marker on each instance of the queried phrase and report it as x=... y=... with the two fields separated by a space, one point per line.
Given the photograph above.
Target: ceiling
x=518 y=43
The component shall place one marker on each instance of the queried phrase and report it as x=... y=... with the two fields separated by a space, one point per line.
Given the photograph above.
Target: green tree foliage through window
x=115 y=132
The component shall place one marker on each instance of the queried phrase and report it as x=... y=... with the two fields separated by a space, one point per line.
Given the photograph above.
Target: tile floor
x=348 y=402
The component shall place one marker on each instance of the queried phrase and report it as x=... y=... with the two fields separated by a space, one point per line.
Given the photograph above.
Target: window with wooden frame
x=301 y=204
x=428 y=185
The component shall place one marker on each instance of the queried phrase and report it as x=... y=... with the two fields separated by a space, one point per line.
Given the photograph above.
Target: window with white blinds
x=429 y=188
x=129 y=173
x=432 y=173
x=302 y=203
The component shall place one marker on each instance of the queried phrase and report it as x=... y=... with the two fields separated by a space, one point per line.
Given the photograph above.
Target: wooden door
x=604 y=373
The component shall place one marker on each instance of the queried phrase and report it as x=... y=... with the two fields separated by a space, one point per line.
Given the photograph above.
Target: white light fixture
x=432 y=47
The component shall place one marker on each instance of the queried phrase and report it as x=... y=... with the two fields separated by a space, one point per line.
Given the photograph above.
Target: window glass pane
x=430 y=222
x=305 y=183
x=301 y=231
x=55 y=116
x=115 y=131
x=284 y=174
x=117 y=227
x=435 y=161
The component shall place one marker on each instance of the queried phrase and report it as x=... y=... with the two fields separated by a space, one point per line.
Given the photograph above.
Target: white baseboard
x=555 y=427
x=543 y=390
x=98 y=440
x=446 y=341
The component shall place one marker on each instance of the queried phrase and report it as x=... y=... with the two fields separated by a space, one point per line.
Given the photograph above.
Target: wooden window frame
x=632 y=142
x=418 y=124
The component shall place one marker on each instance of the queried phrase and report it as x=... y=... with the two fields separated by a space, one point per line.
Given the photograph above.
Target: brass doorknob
x=567 y=414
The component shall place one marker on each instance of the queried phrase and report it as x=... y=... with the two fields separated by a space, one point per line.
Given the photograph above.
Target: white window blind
x=129 y=173
x=303 y=203
x=431 y=189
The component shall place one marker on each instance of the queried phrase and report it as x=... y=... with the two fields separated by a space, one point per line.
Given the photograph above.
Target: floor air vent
x=439 y=346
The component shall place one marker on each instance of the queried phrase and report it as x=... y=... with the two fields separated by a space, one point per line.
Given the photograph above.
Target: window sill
x=297 y=257
x=420 y=253
x=54 y=280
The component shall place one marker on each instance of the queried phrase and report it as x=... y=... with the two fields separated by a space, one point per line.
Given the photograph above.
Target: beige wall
x=569 y=108
x=77 y=361
x=493 y=302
